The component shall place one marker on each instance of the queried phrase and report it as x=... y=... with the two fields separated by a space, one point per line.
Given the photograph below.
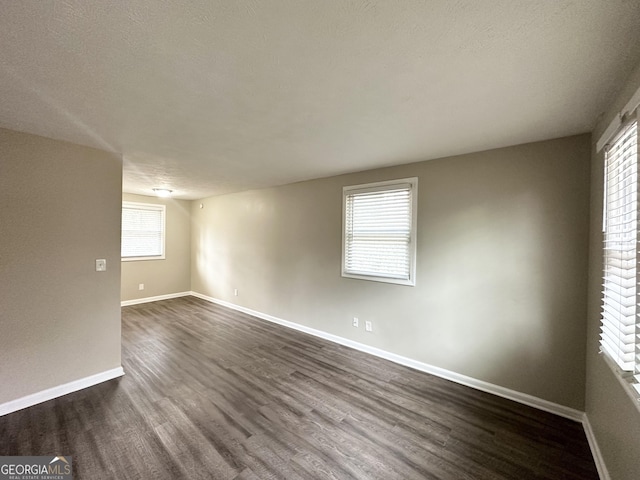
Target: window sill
x=625 y=379
x=371 y=278
x=137 y=259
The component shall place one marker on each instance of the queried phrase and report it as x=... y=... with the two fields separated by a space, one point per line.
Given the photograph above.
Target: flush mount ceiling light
x=162 y=192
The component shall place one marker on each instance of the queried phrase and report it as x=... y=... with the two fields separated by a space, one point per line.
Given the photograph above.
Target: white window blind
x=379 y=231
x=618 y=336
x=143 y=231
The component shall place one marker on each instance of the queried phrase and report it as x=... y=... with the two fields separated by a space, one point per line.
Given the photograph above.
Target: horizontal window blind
x=378 y=232
x=618 y=336
x=637 y=339
x=142 y=230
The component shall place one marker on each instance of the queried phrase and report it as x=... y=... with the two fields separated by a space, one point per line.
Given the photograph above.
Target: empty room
x=319 y=239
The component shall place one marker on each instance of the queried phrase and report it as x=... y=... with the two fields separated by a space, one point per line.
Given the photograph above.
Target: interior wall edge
x=60 y=390
x=598 y=459
x=523 y=398
x=128 y=303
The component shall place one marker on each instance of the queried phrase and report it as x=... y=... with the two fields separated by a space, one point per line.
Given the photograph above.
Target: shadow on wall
x=490 y=267
x=501 y=259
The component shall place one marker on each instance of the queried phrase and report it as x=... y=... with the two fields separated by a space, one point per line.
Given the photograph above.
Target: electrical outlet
x=235 y=292
x=355 y=322
x=101 y=265
x=368 y=326
x=141 y=286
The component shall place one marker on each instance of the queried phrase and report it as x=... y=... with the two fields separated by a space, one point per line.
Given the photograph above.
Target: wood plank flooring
x=213 y=393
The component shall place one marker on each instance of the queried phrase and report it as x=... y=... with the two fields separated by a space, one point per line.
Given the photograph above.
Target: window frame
x=629 y=378
x=375 y=187
x=153 y=207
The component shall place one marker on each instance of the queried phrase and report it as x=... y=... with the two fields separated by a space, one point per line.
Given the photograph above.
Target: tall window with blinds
x=143 y=231
x=379 y=225
x=620 y=296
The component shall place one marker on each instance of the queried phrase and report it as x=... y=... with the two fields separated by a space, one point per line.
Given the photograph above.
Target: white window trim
x=625 y=378
x=156 y=207
x=614 y=127
x=371 y=187
x=628 y=379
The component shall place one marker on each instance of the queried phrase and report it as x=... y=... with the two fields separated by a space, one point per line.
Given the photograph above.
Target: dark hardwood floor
x=213 y=393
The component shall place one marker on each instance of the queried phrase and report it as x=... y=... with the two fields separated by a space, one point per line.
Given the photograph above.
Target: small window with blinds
x=143 y=231
x=379 y=231
x=620 y=327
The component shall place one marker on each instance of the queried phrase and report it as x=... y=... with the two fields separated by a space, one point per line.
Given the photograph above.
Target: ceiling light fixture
x=162 y=192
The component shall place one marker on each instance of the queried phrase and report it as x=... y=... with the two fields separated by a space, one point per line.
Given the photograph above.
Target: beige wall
x=171 y=275
x=59 y=212
x=613 y=416
x=501 y=267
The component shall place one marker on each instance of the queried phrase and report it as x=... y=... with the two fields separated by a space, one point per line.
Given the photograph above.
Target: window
x=143 y=230
x=379 y=225
x=620 y=327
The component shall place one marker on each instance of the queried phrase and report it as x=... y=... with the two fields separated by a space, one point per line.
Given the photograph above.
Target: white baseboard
x=507 y=393
x=595 y=450
x=60 y=390
x=136 y=301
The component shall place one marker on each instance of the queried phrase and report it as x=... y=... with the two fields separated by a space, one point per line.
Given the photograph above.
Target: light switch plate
x=101 y=265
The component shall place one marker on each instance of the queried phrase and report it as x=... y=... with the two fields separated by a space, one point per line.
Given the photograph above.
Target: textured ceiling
x=207 y=97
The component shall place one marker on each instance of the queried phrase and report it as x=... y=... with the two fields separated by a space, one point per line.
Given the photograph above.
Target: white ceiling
x=208 y=97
